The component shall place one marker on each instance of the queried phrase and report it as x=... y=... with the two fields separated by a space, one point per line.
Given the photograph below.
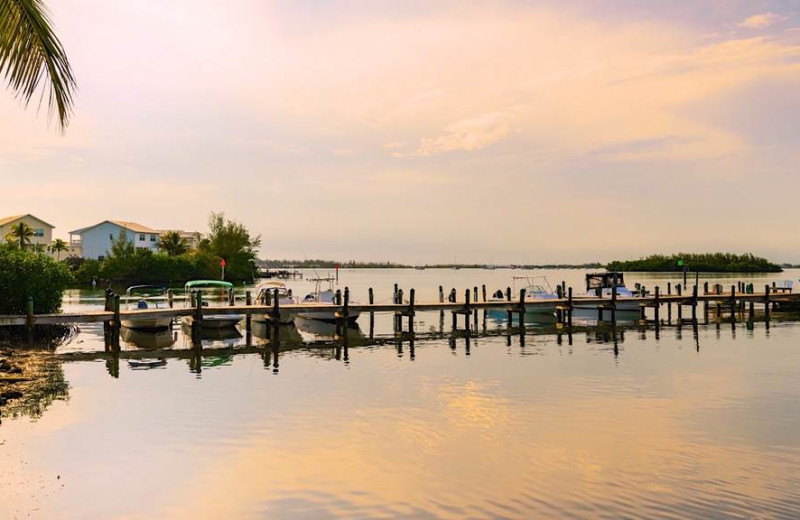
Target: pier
x=737 y=298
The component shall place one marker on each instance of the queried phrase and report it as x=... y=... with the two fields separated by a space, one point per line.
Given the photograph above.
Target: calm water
x=627 y=422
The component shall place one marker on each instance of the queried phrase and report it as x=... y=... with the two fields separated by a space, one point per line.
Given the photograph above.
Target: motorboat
x=323 y=296
x=537 y=290
x=212 y=321
x=285 y=297
x=603 y=285
x=142 y=297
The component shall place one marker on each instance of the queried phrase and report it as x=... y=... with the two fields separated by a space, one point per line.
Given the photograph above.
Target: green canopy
x=199 y=284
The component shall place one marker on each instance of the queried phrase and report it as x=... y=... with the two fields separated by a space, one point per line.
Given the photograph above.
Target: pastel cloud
x=759 y=21
x=465 y=135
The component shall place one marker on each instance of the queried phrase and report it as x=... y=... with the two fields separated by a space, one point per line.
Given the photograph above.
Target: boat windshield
x=604 y=281
x=146 y=290
x=532 y=284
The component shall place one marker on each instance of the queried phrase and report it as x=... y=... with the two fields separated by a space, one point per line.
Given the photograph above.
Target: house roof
x=14 y=218
x=131 y=226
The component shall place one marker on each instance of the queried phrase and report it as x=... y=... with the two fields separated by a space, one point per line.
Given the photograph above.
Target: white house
x=95 y=241
x=42 y=231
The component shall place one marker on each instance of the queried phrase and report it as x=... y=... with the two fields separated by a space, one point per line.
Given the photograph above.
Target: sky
x=424 y=131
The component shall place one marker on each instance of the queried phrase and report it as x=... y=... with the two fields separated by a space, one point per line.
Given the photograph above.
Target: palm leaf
x=31 y=55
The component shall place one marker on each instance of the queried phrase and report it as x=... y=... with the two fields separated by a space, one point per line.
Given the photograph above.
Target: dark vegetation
x=707 y=262
x=27 y=273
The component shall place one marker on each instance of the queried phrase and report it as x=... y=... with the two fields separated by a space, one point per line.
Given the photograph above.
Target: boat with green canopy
x=212 y=289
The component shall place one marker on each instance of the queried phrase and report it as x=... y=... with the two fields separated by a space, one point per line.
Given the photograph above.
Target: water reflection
x=149 y=339
x=502 y=421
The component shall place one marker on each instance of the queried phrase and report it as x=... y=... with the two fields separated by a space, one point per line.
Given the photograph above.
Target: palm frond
x=31 y=54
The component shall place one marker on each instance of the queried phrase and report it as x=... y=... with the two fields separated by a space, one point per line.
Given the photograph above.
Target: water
x=617 y=422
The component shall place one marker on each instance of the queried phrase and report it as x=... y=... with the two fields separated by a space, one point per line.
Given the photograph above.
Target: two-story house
x=95 y=241
x=42 y=231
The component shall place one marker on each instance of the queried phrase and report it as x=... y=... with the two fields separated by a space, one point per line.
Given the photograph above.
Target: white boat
x=285 y=297
x=212 y=321
x=320 y=296
x=141 y=297
x=537 y=289
x=601 y=285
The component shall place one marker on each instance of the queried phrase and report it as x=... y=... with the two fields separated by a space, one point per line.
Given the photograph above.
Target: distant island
x=352 y=264
x=706 y=263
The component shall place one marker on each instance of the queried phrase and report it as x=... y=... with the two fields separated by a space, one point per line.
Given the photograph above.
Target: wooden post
x=475 y=294
x=170 y=298
x=679 y=290
x=766 y=303
x=614 y=301
x=694 y=303
x=411 y=297
x=483 y=291
x=346 y=309
x=231 y=298
x=371 y=294
x=116 y=311
x=508 y=309
x=198 y=310
x=276 y=306
x=467 y=311
x=267 y=297
x=669 y=303
x=394 y=294
x=248 y=300
x=441 y=294
x=29 y=314
x=657 y=304
x=522 y=308
x=569 y=307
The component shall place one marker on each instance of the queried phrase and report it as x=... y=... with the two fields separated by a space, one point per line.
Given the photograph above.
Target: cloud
x=760 y=21
x=467 y=135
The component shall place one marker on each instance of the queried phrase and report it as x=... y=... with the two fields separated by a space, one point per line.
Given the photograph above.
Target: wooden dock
x=344 y=309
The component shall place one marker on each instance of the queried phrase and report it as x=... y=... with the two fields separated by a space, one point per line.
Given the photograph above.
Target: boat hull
x=329 y=316
x=217 y=321
x=147 y=323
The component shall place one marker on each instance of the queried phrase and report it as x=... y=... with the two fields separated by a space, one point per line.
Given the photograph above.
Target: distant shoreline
x=290 y=264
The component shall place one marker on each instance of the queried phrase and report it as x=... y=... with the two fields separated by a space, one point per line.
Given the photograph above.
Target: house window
x=153 y=238
x=141 y=237
x=38 y=232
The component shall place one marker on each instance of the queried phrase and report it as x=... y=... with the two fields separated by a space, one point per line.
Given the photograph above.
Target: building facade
x=95 y=241
x=42 y=231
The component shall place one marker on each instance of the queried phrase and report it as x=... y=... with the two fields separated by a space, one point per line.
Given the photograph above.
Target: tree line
x=703 y=262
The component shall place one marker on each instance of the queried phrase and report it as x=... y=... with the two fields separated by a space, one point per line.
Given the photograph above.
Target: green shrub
x=26 y=273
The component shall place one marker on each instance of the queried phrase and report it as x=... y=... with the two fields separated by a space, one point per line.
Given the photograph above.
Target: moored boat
x=212 y=321
x=537 y=290
x=604 y=285
x=285 y=297
x=326 y=296
x=143 y=297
